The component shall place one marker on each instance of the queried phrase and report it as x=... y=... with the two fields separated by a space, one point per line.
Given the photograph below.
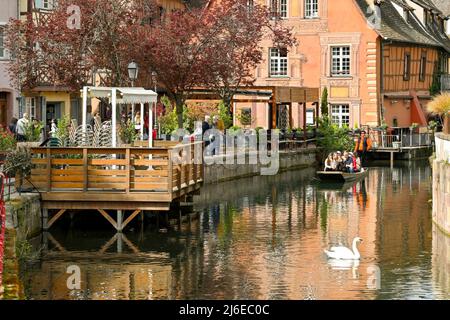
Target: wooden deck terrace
x=127 y=178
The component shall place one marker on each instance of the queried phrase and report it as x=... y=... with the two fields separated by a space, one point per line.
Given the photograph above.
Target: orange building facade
x=378 y=61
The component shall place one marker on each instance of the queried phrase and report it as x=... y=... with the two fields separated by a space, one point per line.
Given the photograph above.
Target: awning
x=124 y=95
x=136 y=96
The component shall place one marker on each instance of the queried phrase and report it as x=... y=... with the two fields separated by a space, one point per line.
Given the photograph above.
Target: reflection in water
x=263 y=238
x=441 y=260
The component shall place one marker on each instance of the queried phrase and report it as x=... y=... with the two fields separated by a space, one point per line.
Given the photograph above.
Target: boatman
x=363 y=145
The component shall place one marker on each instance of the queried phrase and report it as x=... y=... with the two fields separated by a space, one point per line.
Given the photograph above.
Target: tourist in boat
x=349 y=162
x=335 y=161
x=328 y=163
x=358 y=165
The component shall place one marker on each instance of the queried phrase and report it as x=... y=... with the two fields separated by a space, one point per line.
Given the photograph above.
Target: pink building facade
x=340 y=48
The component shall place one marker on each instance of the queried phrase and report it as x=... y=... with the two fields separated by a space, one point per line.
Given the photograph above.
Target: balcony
x=445 y=83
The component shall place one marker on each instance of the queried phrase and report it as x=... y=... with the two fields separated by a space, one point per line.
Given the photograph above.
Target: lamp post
x=154 y=79
x=133 y=70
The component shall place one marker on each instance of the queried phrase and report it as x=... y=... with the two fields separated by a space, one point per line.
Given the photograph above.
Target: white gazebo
x=120 y=95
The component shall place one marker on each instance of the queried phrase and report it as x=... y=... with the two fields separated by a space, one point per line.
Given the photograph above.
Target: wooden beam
x=108 y=217
x=85 y=169
x=108 y=244
x=49 y=170
x=81 y=205
x=129 y=243
x=274 y=110
x=55 y=243
x=128 y=167
x=305 y=135
x=131 y=217
x=291 y=120
x=106 y=196
x=55 y=217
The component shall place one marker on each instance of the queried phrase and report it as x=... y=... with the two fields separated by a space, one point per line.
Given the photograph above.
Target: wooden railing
x=130 y=170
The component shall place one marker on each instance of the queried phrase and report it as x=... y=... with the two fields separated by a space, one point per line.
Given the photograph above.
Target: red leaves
x=217 y=46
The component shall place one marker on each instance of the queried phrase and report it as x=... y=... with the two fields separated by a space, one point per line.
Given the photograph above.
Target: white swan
x=340 y=265
x=344 y=253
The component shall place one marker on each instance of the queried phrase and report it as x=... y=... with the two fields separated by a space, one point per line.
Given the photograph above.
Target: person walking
x=13 y=125
x=22 y=124
x=363 y=145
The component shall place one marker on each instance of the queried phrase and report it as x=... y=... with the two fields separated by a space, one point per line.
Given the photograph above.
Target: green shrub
x=333 y=138
x=33 y=131
x=18 y=161
x=224 y=115
x=7 y=141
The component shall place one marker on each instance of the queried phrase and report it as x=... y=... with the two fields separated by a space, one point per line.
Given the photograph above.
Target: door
x=3 y=112
x=53 y=112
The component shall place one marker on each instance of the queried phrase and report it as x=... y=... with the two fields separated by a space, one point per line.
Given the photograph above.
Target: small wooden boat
x=337 y=176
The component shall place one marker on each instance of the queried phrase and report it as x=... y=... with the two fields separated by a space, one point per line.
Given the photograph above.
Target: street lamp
x=133 y=69
x=154 y=75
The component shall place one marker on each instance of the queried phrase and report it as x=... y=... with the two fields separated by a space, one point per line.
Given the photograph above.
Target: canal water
x=260 y=238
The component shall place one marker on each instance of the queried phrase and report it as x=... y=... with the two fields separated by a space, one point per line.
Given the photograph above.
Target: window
x=283 y=8
x=311 y=9
x=246 y=116
x=250 y=6
x=340 y=114
x=2 y=44
x=278 y=62
x=423 y=66
x=31 y=107
x=340 y=61
x=46 y=4
x=278 y=8
x=407 y=67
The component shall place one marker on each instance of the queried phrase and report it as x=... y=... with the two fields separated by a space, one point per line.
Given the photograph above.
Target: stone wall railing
x=442 y=147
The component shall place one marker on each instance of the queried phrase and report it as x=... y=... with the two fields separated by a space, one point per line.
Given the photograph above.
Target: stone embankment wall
x=220 y=171
x=441 y=183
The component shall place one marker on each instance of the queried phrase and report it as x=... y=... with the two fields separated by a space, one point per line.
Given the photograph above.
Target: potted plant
x=18 y=164
x=383 y=127
x=7 y=143
x=440 y=105
x=127 y=133
x=168 y=123
x=289 y=134
x=33 y=134
x=413 y=127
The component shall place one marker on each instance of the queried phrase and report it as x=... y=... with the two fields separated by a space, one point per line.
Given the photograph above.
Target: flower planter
x=35 y=144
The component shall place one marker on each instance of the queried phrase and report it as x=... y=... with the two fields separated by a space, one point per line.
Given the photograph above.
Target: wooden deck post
x=127 y=170
x=119 y=242
x=44 y=218
x=274 y=109
x=119 y=220
x=85 y=169
x=49 y=170
x=305 y=136
x=392 y=159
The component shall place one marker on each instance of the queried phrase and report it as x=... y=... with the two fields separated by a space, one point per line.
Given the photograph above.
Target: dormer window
x=406 y=15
